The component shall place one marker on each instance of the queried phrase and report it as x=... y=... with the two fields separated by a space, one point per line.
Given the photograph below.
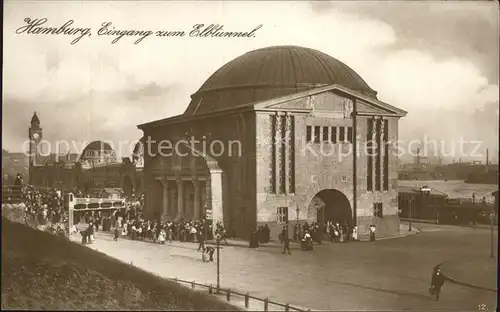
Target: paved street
x=392 y=274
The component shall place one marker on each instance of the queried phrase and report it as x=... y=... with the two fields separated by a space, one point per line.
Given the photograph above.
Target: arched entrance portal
x=128 y=188
x=330 y=205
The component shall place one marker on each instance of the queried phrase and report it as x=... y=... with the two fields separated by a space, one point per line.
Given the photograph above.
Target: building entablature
x=378 y=108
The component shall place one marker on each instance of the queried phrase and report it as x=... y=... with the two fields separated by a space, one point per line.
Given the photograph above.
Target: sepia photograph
x=250 y=155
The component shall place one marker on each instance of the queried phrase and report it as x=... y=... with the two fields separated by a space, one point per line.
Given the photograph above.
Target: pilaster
x=374 y=152
x=381 y=153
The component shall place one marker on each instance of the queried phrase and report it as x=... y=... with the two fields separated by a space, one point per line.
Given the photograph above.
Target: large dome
x=98 y=152
x=271 y=72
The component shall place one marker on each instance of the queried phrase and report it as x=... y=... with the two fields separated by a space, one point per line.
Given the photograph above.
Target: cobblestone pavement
x=479 y=272
x=384 y=275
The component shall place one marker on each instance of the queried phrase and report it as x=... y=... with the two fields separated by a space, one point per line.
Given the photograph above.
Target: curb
x=454 y=281
x=477 y=226
x=415 y=231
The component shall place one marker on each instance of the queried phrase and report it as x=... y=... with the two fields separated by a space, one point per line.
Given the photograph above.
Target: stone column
x=382 y=153
x=206 y=195
x=166 y=206
x=216 y=195
x=180 y=199
x=196 y=200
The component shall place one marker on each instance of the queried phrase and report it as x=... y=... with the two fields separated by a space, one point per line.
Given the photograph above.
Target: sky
x=436 y=60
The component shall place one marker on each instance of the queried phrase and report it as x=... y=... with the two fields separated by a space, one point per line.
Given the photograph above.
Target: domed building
x=277 y=136
x=98 y=153
x=97 y=167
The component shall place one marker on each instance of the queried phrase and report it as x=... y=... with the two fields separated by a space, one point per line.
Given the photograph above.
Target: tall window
x=378 y=210
x=282 y=215
x=378 y=155
x=291 y=156
x=334 y=135
x=341 y=134
x=349 y=134
x=325 y=134
x=317 y=137
x=282 y=156
x=386 y=155
x=272 y=174
x=369 y=157
x=308 y=133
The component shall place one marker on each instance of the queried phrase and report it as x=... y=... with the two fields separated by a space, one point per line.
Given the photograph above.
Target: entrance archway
x=330 y=205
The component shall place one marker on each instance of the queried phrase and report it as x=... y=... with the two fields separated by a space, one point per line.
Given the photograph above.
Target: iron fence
x=247 y=297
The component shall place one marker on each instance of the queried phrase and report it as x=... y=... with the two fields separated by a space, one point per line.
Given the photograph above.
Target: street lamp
x=297 y=211
x=412 y=200
x=492 y=223
x=217 y=238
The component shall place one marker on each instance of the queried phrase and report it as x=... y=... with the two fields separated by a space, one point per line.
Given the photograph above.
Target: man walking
x=286 y=240
x=372 y=232
x=437 y=282
x=201 y=241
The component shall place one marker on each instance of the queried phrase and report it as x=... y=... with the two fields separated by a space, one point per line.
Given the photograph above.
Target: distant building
x=96 y=167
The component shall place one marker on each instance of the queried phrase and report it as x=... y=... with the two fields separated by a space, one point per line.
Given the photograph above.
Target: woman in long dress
x=355 y=233
x=162 y=237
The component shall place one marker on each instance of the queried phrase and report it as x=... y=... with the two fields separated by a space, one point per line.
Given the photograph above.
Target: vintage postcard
x=250 y=155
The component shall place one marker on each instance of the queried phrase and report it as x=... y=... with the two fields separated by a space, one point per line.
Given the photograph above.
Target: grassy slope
x=41 y=271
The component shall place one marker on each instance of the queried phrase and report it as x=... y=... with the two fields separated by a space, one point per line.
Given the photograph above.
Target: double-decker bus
x=78 y=207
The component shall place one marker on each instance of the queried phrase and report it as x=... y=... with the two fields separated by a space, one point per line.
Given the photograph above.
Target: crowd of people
x=43 y=207
x=335 y=231
x=129 y=222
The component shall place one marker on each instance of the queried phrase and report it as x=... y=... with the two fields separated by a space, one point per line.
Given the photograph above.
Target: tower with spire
x=35 y=134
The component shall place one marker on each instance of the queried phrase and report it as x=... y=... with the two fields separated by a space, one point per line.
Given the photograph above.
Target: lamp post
x=412 y=205
x=492 y=223
x=205 y=225
x=217 y=237
x=412 y=200
x=297 y=211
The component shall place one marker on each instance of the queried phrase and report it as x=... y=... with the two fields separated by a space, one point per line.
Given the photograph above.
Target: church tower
x=35 y=136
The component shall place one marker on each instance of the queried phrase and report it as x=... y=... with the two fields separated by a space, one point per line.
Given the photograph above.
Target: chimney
x=487 y=160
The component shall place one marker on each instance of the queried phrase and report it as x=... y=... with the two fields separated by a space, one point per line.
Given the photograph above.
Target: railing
x=12 y=194
x=228 y=292
x=467 y=200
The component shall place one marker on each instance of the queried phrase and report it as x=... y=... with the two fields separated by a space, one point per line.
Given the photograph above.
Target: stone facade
x=321 y=166
x=278 y=167
x=224 y=168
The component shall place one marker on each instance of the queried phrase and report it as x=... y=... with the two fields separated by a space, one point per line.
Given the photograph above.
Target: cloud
x=96 y=89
